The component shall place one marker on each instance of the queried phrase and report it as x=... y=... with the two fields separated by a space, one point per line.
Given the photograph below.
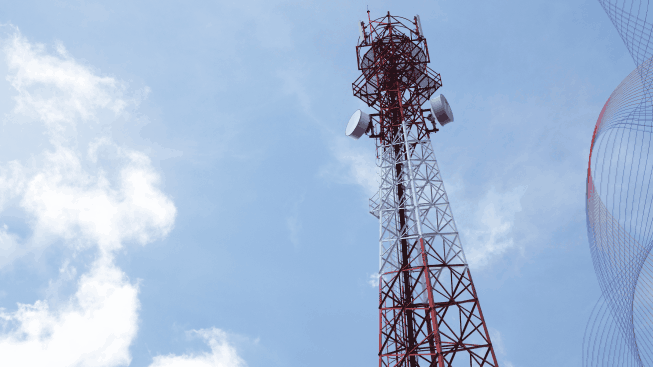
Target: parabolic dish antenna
x=358 y=124
x=441 y=110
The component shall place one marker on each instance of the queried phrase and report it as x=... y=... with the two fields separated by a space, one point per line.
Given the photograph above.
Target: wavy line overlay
x=619 y=197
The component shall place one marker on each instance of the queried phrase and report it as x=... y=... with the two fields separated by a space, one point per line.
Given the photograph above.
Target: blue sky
x=176 y=186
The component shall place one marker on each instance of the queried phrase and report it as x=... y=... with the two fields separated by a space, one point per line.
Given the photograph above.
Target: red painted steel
x=429 y=312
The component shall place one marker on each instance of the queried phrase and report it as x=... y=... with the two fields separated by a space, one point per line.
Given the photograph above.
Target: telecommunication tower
x=429 y=313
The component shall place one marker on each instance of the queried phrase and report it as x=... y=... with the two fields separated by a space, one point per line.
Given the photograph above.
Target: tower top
x=392 y=54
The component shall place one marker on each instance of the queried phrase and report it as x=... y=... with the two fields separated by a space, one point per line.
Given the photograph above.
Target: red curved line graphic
x=590 y=185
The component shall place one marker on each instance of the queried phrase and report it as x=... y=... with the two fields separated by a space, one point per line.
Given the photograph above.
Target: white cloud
x=94 y=328
x=354 y=160
x=489 y=234
x=98 y=198
x=222 y=354
x=56 y=89
x=373 y=280
x=9 y=246
x=12 y=179
x=69 y=202
x=355 y=165
x=499 y=347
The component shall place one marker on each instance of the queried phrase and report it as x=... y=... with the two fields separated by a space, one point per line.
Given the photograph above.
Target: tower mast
x=429 y=313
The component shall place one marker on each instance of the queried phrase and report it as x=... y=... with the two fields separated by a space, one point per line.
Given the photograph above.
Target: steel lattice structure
x=619 y=197
x=429 y=312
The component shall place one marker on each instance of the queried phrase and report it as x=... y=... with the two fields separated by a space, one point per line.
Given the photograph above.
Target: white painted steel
x=425 y=205
x=358 y=124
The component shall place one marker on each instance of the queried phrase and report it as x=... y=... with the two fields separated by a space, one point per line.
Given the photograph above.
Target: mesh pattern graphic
x=630 y=17
x=619 y=197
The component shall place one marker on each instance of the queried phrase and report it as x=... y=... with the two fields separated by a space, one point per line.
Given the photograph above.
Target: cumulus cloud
x=9 y=246
x=93 y=199
x=68 y=193
x=56 y=89
x=489 y=234
x=12 y=178
x=96 y=198
x=88 y=209
x=354 y=165
x=93 y=328
x=222 y=354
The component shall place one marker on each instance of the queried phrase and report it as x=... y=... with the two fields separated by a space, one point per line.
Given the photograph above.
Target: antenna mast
x=429 y=312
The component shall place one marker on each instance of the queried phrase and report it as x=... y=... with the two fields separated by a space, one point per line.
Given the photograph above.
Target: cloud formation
x=94 y=328
x=222 y=354
x=354 y=165
x=492 y=236
x=56 y=89
x=89 y=209
x=68 y=195
x=92 y=195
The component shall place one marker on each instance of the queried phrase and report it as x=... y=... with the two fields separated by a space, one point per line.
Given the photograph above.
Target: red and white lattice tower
x=429 y=313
